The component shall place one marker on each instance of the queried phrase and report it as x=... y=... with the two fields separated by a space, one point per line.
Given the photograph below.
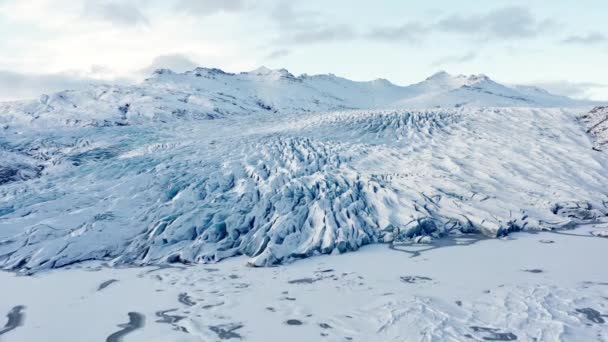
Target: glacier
x=205 y=165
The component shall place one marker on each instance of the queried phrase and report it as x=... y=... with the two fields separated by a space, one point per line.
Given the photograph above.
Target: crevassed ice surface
x=281 y=187
x=596 y=121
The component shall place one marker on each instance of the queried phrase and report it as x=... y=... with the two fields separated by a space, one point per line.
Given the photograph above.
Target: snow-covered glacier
x=202 y=166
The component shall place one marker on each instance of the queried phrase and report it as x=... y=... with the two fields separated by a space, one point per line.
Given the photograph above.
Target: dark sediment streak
x=227 y=331
x=164 y=317
x=15 y=319
x=136 y=321
x=106 y=284
x=592 y=315
x=416 y=250
x=185 y=299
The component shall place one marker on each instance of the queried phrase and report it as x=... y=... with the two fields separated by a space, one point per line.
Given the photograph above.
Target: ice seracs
x=205 y=165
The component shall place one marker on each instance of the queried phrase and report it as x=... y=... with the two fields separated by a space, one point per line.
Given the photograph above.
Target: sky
x=51 y=45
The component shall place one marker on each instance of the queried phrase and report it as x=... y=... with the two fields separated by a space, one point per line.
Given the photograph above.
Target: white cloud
x=581 y=90
x=409 y=32
x=279 y=53
x=209 y=7
x=27 y=85
x=124 y=35
x=176 y=62
x=455 y=59
x=115 y=12
x=502 y=23
x=588 y=39
x=17 y=86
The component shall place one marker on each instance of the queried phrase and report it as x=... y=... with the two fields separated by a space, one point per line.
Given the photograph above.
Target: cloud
x=24 y=85
x=290 y=19
x=410 y=32
x=115 y=12
x=500 y=23
x=308 y=27
x=324 y=34
x=209 y=7
x=506 y=23
x=176 y=62
x=17 y=86
x=455 y=59
x=588 y=39
x=278 y=54
x=503 y=23
x=571 y=89
x=296 y=26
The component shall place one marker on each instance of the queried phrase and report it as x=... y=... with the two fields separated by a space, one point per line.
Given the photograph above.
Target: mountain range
x=212 y=93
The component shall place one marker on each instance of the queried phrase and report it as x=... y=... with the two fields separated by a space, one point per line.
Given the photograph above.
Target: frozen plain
x=548 y=286
x=199 y=167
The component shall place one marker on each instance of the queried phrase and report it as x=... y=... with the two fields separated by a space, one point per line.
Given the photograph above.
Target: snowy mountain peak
x=261 y=71
x=438 y=76
x=272 y=73
x=209 y=71
x=443 y=80
x=209 y=93
x=477 y=79
x=163 y=71
x=440 y=81
x=383 y=82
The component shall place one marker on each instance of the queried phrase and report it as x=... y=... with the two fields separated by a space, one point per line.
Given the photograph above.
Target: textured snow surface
x=597 y=125
x=283 y=187
x=550 y=286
